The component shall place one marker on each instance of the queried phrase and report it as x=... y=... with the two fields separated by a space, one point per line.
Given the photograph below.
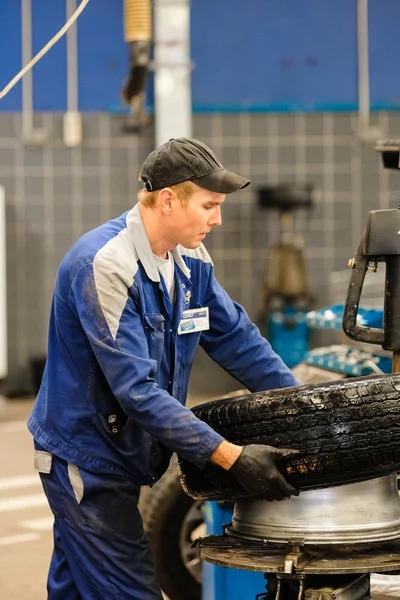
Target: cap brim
x=222 y=182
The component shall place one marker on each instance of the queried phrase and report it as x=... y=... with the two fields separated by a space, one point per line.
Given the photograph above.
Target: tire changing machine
x=324 y=544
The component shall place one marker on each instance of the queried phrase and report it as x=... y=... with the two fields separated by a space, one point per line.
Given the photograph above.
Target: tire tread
x=345 y=431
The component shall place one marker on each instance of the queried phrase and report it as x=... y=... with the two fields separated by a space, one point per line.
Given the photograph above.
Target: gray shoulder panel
x=114 y=268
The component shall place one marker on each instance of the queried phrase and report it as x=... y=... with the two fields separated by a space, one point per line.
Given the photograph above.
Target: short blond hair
x=183 y=190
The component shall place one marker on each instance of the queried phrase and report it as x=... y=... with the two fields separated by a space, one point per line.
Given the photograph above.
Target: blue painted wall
x=248 y=54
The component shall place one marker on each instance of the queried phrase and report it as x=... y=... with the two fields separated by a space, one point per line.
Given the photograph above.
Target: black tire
x=346 y=431
x=165 y=510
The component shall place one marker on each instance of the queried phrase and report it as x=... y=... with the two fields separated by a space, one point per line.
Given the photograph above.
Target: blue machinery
x=220 y=583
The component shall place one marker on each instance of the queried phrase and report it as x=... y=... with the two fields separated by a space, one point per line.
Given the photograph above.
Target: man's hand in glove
x=257 y=471
x=255 y=468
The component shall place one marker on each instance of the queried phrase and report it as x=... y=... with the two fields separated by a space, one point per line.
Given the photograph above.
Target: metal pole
x=72 y=60
x=363 y=66
x=72 y=122
x=31 y=136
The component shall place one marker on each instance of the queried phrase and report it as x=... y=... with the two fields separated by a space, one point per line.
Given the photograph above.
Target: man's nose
x=216 y=219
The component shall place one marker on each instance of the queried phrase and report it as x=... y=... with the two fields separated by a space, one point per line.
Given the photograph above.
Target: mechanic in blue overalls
x=133 y=299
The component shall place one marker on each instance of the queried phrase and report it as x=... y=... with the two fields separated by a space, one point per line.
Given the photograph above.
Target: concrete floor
x=25 y=519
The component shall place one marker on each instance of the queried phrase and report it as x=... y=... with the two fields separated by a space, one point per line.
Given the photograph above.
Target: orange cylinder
x=137 y=20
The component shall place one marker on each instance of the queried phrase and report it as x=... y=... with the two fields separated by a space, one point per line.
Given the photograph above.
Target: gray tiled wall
x=54 y=194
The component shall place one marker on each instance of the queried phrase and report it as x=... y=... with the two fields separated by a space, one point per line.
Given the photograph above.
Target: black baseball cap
x=187 y=159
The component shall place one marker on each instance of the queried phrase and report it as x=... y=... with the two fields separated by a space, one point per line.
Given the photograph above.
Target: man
x=132 y=301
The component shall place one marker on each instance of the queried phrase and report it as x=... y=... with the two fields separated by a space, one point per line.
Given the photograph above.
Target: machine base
x=300 y=560
x=300 y=572
x=337 y=587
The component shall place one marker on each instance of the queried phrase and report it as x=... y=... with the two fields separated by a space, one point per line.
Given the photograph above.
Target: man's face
x=190 y=224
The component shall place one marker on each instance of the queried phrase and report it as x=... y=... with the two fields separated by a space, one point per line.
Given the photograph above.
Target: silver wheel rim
x=193 y=526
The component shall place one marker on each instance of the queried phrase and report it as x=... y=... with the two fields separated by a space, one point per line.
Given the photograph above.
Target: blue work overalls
x=110 y=410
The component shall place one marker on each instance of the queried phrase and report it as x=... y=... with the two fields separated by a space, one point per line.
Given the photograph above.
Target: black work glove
x=256 y=470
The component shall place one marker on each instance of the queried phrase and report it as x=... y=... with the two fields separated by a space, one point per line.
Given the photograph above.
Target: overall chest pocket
x=189 y=339
x=154 y=328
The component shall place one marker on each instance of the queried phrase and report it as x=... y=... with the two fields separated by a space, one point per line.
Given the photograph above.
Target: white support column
x=172 y=67
x=3 y=287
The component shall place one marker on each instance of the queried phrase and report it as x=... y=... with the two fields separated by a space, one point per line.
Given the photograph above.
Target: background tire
x=346 y=431
x=171 y=520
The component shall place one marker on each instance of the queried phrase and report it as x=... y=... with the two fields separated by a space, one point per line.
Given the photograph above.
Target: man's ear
x=166 y=200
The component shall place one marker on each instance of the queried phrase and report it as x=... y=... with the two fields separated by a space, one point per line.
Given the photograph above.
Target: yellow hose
x=137 y=20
